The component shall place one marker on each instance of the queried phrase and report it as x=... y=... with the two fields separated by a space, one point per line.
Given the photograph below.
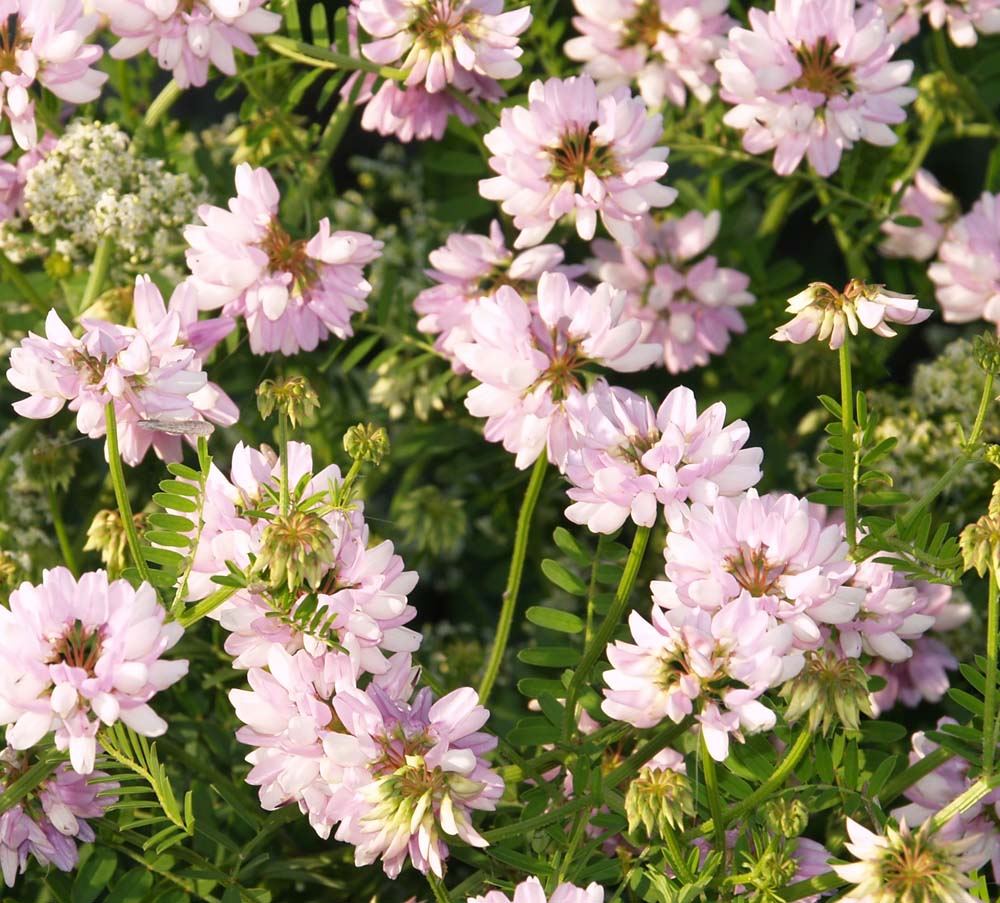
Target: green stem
x=596 y=647
x=438 y=889
x=602 y=541
x=509 y=604
x=964 y=86
x=160 y=106
x=285 y=496
x=60 y=527
x=12 y=272
x=811 y=887
x=98 y=272
x=990 y=698
x=323 y=58
x=207 y=605
x=121 y=493
x=963 y=802
x=714 y=798
x=849 y=248
x=919 y=154
x=847 y=425
x=914 y=773
x=675 y=855
x=661 y=739
x=525 y=825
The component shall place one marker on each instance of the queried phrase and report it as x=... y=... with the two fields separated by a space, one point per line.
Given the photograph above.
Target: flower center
x=12 y=40
x=908 y=871
x=79 y=647
x=636 y=448
x=819 y=71
x=645 y=26
x=578 y=153
x=561 y=373
x=285 y=254
x=755 y=573
x=436 y=23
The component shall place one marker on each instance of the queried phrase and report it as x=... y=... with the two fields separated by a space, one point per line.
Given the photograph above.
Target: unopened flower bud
x=986 y=349
x=830 y=690
x=367 y=442
x=115 y=306
x=658 y=799
x=939 y=95
x=297 y=548
x=9 y=569
x=981 y=541
x=58 y=266
x=771 y=870
x=106 y=535
x=293 y=397
x=992 y=455
x=786 y=818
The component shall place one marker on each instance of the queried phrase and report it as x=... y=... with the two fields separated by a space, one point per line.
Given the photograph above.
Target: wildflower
x=830 y=690
x=530 y=891
x=528 y=361
x=660 y=797
x=79 y=648
x=928 y=202
x=367 y=442
x=810 y=79
x=107 y=536
x=50 y=822
x=292 y=292
x=186 y=38
x=965 y=21
x=902 y=17
x=689 y=306
x=629 y=459
x=294 y=398
x=571 y=152
x=666 y=47
x=922 y=677
x=823 y=313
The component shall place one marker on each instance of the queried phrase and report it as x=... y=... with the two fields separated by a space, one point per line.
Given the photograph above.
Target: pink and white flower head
x=427 y=776
x=530 y=891
x=934 y=206
x=812 y=78
x=629 y=460
x=527 y=359
x=902 y=17
x=292 y=292
x=43 y=41
x=666 y=47
x=74 y=649
x=50 y=822
x=966 y=274
x=964 y=19
x=470 y=267
x=572 y=152
x=823 y=313
x=777 y=549
x=715 y=666
x=689 y=306
x=14 y=176
x=188 y=36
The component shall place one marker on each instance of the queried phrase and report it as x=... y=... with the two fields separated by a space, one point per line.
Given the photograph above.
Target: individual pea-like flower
x=53 y=818
x=293 y=292
x=823 y=313
x=688 y=305
x=73 y=649
x=44 y=42
x=812 y=78
x=629 y=459
x=902 y=17
x=188 y=37
x=530 y=891
x=527 y=360
x=572 y=152
x=666 y=47
x=964 y=19
x=715 y=666
x=776 y=548
x=470 y=267
x=903 y=866
x=926 y=201
x=966 y=273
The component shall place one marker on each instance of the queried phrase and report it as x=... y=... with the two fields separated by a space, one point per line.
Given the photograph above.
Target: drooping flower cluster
x=445 y=45
x=50 y=822
x=926 y=201
x=159 y=391
x=527 y=361
x=79 y=652
x=572 y=153
x=966 y=273
x=690 y=308
x=187 y=37
x=292 y=292
x=45 y=43
x=812 y=78
x=666 y=47
x=629 y=460
x=530 y=891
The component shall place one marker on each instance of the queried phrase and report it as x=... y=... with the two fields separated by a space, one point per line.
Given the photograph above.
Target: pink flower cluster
x=292 y=292
x=530 y=891
x=926 y=201
x=964 y=19
x=45 y=43
x=14 y=176
x=812 y=78
x=52 y=820
x=187 y=37
x=148 y=371
x=79 y=652
x=666 y=47
x=687 y=305
x=571 y=152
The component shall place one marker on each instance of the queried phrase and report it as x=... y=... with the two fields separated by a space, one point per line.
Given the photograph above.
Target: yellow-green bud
x=106 y=535
x=9 y=569
x=937 y=94
x=786 y=818
x=986 y=350
x=658 y=799
x=830 y=690
x=297 y=548
x=58 y=266
x=981 y=541
x=294 y=397
x=367 y=442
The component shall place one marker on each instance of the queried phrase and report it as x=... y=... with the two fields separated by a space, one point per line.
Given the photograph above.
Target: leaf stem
x=509 y=603
x=849 y=452
x=990 y=696
x=285 y=497
x=60 y=527
x=438 y=889
x=963 y=802
x=675 y=855
x=121 y=493
x=714 y=799
x=322 y=58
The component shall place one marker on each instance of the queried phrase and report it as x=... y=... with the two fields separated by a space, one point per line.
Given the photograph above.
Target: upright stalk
x=990 y=697
x=121 y=493
x=60 y=527
x=510 y=592
x=438 y=889
x=714 y=798
x=98 y=272
x=285 y=496
x=847 y=429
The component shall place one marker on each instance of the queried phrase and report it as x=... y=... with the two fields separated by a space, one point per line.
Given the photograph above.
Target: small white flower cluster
x=91 y=184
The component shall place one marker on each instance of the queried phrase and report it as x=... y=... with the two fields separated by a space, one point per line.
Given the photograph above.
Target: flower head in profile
x=665 y=47
x=933 y=206
x=293 y=293
x=187 y=38
x=823 y=313
x=528 y=361
x=570 y=152
x=812 y=78
x=79 y=652
x=530 y=891
x=686 y=302
x=964 y=19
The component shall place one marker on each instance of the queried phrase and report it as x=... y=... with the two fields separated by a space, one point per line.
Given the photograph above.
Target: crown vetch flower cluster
x=45 y=42
x=77 y=652
x=530 y=891
x=187 y=37
x=570 y=152
x=928 y=202
x=812 y=78
x=964 y=19
x=292 y=292
x=666 y=47
x=689 y=306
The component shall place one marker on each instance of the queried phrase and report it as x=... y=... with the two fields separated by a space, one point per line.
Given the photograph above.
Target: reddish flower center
x=577 y=153
x=561 y=374
x=755 y=573
x=12 y=39
x=436 y=22
x=645 y=26
x=288 y=255
x=79 y=647
x=819 y=71
x=909 y=870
